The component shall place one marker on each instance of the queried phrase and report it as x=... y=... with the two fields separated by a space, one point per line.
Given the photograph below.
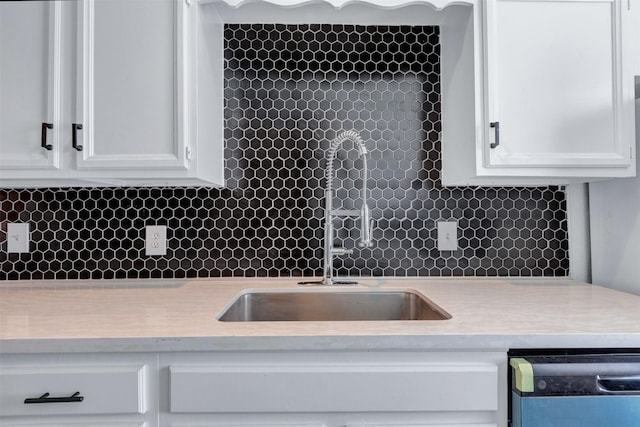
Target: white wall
x=615 y=208
x=615 y=228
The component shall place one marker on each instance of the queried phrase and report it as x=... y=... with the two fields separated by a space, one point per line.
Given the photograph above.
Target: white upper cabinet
x=129 y=85
x=553 y=88
x=555 y=92
x=533 y=92
x=118 y=78
x=29 y=85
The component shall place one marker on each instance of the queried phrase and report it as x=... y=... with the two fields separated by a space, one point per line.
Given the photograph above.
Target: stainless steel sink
x=257 y=306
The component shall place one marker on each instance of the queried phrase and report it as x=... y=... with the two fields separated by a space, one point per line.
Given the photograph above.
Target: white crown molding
x=339 y=4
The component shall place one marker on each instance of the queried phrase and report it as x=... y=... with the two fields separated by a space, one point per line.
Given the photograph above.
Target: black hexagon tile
x=289 y=90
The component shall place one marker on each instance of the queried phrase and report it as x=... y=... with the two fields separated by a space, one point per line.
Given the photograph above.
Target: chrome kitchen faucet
x=366 y=223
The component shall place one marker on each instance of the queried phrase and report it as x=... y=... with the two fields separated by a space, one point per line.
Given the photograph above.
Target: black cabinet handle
x=75 y=397
x=46 y=126
x=496 y=126
x=75 y=127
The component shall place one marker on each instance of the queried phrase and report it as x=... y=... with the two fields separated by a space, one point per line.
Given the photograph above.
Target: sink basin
x=257 y=306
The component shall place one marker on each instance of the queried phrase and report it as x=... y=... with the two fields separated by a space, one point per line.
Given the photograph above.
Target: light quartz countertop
x=180 y=315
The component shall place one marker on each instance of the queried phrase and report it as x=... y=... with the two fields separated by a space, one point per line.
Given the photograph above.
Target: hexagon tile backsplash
x=289 y=89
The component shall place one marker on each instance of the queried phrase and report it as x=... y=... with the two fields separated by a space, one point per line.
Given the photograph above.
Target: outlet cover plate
x=156 y=240
x=448 y=235
x=18 y=237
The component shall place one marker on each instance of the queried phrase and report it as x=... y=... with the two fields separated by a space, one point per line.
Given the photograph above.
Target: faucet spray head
x=366 y=228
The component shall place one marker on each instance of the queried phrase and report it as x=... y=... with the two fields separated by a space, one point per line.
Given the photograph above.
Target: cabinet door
x=213 y=388
x=130 y=85
x=555 y=84
x=29 y=85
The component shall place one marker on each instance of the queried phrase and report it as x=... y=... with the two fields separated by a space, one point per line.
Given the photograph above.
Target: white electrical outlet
x=18 y=238
x=156 y=240
x=447 y=235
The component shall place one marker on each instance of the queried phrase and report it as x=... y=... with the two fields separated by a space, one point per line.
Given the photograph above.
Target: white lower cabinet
x=335 y=389
x=78 y=390
x=255 y=389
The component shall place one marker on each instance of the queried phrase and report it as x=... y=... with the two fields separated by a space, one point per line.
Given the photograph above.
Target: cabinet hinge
x=187 y=152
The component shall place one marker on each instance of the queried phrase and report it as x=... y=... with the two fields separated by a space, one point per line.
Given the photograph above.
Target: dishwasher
x=575 y=390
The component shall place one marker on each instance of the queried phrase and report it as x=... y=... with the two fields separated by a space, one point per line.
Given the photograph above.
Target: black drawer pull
x=44 y=144
x=75 y=397
x=75 y=127
x=496 y=126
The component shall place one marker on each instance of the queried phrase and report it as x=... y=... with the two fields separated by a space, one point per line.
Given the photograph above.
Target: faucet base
x=342 y=282
x=315 y=283
x=328 y=282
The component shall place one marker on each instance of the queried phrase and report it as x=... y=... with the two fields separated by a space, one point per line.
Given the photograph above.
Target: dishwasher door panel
x=576 y=411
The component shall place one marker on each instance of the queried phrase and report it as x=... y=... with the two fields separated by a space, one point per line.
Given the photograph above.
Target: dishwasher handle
x=619 y=384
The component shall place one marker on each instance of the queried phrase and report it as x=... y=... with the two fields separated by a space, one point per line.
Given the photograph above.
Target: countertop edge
x=319 y=343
